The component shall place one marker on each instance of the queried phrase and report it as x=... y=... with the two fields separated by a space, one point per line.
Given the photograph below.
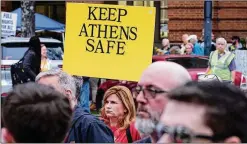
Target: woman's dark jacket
x=31 y=63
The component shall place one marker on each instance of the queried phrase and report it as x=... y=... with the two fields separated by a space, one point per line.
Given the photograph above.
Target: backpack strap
x=128 y=134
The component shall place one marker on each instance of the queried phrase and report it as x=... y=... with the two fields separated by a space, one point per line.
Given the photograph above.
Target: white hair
x=78 y=84
x=147 y=126
x=65 y=81
x=192 y=37
x=221 y=39
x=166 y=40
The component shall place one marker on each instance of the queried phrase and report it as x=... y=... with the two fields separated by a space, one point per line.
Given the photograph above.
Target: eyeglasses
x=148 y=92
x=180 y=134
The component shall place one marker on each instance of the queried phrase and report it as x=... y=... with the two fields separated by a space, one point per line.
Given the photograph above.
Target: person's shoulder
x=197 y=44
x=132 y=124
x=30 y=53
x=87 y=118
x=132 y=127
x=134 y=132
x=89 y=121
x=214 y=52
x=92 y=128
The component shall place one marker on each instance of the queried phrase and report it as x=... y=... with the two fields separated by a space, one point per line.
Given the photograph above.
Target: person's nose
x=108 y=106
x=140 y=98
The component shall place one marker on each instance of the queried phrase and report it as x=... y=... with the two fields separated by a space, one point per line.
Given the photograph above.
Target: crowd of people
x=165 y=106
x=193 y=46
x=221 y=54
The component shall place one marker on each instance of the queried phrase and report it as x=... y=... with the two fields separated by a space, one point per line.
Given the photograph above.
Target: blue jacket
x=198 y=50
x=87 y=128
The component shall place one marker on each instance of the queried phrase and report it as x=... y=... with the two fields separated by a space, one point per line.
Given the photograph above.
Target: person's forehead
x=189 y=115
x=157 y=79
x=113 y=97
x=220 y=42
x=165 y=40
x=43 y=48
x=151 y=77
x=162 y=75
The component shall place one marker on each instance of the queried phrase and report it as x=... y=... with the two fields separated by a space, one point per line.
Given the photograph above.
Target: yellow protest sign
x=108 y=41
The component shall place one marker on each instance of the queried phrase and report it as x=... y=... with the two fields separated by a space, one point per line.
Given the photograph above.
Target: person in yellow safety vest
x=222 y=62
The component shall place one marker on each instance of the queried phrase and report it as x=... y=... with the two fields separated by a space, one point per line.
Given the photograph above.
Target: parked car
x=13 y=49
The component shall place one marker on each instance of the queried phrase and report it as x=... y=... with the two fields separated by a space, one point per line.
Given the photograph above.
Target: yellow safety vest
x=232 y=48
x=219 y=66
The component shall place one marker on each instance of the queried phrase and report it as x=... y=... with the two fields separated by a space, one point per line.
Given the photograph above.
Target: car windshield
x=15 y=51
x=190 y=62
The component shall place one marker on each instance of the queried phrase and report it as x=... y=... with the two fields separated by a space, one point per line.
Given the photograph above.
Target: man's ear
x=7 y=137
x=232 y=139
x=68 y=93
x=70 y=96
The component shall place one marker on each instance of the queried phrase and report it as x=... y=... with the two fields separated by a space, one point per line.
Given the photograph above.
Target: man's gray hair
x=221 y=39
x=65 y=80
x=78 y=84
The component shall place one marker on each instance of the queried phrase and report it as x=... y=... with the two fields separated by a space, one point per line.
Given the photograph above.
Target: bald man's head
x=165 y=42
x=165 y=75
x=184 y=38
x=158 y=79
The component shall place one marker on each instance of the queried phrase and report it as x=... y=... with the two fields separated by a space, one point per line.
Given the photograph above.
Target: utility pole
x=27 y=18
x=207 y=26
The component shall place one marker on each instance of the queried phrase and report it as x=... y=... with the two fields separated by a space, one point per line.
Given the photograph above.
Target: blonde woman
x=45 y=62
x=119 y=113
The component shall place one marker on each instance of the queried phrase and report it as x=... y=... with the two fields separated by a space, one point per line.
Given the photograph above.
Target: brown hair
x=124 y=94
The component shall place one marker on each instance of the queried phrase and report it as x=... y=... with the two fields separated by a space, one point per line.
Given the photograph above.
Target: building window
x=144 y=3
x=163 y=19
x=131 y=3
x=53 y=10
x=137 y=3
x=163 y=11
x=111 y=2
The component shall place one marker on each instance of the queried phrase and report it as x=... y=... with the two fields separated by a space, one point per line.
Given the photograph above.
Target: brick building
x=173 y=16
x=229 y=18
